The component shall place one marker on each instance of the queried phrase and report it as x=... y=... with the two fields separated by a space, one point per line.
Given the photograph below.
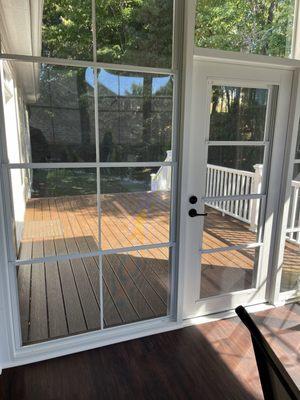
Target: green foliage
x=67 y=29
x=253 y=26
x=237 y=114
x=130 y=31
x=63 y=182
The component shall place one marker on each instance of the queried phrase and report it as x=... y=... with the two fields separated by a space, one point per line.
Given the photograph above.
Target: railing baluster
x=207 y=181
x=237 y=192
x=218 y=187
x=242 y=191
x=214 y=184
x=222 y=190
x=211 y=181
x=233 y=192
x=225 y=190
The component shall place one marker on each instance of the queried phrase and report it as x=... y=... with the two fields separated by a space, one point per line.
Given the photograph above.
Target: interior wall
x=17 y=139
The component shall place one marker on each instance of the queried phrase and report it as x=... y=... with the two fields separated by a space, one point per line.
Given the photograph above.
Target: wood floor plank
x=111 y=314
x=87 y=244
x=141 y=260
x=74 y=312
x=125 y=308
x=56 y=309
x=85 y=290
x=38 y=307
x=155 y=302
x=134 y=295
x=24 y=285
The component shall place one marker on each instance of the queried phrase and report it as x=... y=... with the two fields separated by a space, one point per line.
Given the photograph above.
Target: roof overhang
x=21 y=33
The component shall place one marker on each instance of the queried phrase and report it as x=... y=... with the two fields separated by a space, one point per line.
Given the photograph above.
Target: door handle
x=193 y=213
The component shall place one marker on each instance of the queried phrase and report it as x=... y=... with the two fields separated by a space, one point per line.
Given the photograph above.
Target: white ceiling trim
x=21 y=33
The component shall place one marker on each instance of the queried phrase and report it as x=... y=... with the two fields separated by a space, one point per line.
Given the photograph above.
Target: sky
x=122 y=83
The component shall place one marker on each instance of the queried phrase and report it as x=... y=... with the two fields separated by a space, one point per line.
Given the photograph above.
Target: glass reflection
x=61 y=117
x=228 y=271
x=290 y=279
x=135 y=32
x=56 y=211
x=135 y=206
x=135 y=116
x=237 y=113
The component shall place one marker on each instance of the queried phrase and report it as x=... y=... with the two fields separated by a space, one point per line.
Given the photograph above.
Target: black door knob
x=193 y=199
x=193 y=213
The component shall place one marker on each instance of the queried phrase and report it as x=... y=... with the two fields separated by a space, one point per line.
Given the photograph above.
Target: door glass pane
x=58 y=298
x=227 y=271
x=290 y=279
x=55 y=211
x=135 y=116
x=135 y=205
x=230 y=223
x=263 y=27
x=135 y=32
x=234 y=170
x=237 y=113
x=136 y=286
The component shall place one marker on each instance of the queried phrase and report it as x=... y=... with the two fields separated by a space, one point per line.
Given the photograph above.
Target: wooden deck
x=62 y=298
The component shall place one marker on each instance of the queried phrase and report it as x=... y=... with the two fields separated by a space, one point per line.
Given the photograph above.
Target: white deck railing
x=222 y=181
x=162 y=179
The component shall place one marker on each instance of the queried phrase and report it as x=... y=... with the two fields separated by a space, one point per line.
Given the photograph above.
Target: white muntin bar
x=235 y=143
x=229 y=248
x=86 y=64
x=237 y=197
x=88 y=165
x=91 y=254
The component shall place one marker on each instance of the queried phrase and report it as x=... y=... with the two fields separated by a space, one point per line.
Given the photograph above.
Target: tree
x=135 y=32
x=252 y=26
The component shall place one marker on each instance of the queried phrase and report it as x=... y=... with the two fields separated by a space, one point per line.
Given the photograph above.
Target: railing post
x=169 y=156
x=162 y=179
x=255 y=188
x=153 y=183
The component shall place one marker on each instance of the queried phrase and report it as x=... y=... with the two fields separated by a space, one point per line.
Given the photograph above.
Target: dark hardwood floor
x=208 y=361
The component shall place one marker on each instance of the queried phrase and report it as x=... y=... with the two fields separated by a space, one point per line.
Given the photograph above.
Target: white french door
x=233 y=154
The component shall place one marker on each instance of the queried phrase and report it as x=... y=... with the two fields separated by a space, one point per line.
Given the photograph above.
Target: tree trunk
x=268 y=25
x=147 y=97
x=83 y=109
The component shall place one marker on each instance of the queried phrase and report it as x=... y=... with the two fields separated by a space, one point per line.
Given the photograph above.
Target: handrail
x=224 y=181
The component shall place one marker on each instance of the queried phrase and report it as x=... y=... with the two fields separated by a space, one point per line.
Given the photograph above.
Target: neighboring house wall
x=17 y=139
x=58 y=116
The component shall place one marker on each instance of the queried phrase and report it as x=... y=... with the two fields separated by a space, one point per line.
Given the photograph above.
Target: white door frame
x=275 y=296
x=257 y=76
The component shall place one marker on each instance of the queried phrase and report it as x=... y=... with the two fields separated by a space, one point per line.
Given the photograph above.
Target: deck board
x=56 y=309
x=38 y=304
x=63 y=298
